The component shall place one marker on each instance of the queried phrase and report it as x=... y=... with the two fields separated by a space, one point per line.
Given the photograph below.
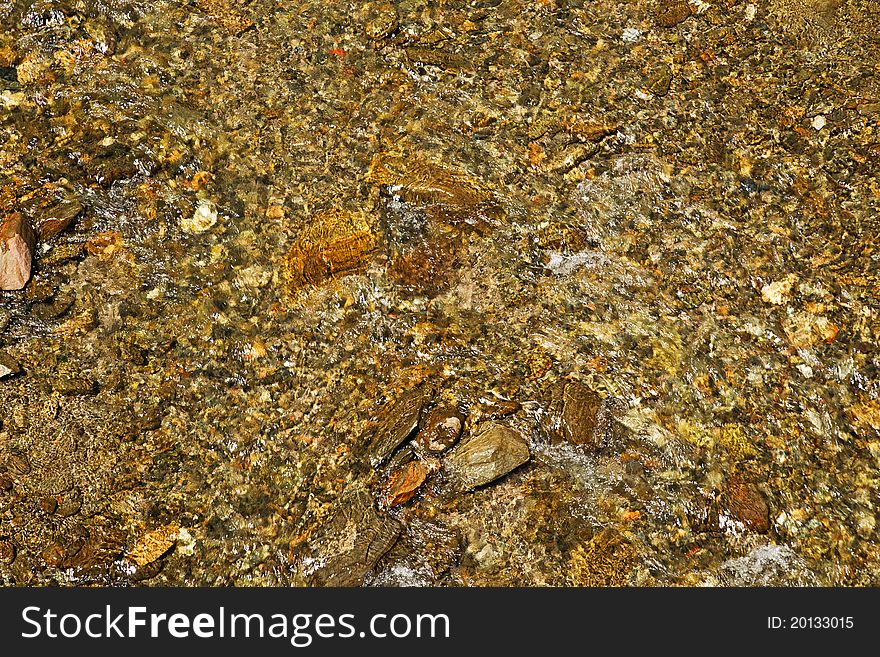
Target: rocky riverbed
x=475 y=293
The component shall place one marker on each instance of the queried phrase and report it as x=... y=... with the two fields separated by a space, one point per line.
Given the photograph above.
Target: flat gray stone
x=491 y=452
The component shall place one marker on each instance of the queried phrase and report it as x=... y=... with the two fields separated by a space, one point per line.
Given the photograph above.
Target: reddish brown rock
x=442 y=429
x=405 y=482
x=17 y=242
x=334 y=243
x=56 y=219
x=743 y=503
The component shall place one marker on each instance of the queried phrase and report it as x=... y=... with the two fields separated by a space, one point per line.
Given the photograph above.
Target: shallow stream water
x=294 y=215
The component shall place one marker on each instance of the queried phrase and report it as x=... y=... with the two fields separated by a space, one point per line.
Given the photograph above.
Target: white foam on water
x=768 y=565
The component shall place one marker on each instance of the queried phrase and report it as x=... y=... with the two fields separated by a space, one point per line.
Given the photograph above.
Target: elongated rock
x=398 y=420
x=8 y=365
x=493 y=451
x=17 y=242
x=57 y=219
x=352 y=543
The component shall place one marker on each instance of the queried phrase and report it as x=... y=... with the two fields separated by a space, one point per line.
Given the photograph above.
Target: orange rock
x=743 y=502
x=335 y=242
x=154 y=544
x=17 y=242
x=403 y=483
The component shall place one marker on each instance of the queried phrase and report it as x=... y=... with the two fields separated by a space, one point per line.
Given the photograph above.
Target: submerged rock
x=154 y=544
x=397 y=421
x=56 y=219
x=8 y=366
x=17 y=242
x=404 y=482
x=606 y=560
x=490 y=453
x=442 y=429
x=335 y=242
x=574 y=414
x=354 y=541
x=743 y=503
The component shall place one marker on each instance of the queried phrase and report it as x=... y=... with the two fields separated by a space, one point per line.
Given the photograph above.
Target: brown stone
x=396 y=422
x=8 y=365
x=7 y=551
x=48 y=505
x=17 y=243
x=335 y=242
x=154 y=544
x=18 y=464
x=426 y=268
x=443 y=426
x=99 y=551
x=574 y=414
x=674 y=13
x=353 y=542
x=744 y=503
x=404 y=482
x=56 y=219
x=53 y=555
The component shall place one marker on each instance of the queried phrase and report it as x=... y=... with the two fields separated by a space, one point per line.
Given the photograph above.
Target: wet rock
x=99 y=551
x=54 y=308
x=497 y=409
x=7 y=551
x=227 y=15
x=74 y=386
x=69 y=503
x=444 y=59
x=154 y=544
x=17 y=242
x=354 y=541
x=380 y=20
x=743 y=503
x=404 y=482
x=671 y=14
x=426 y=268
x=397 y=421
x=574 y=414
x=442 y=429
x=659 y=80
x=56 y=219
x=62 y=253
x=53 y=555
x=334 y=242
x=18 y=464
x=202 y=219
x=606 y=560
x=103 y=34
x=865 y=416
x=8 y=366
x=459 y=197
x=493 y=451
x=48 y=505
